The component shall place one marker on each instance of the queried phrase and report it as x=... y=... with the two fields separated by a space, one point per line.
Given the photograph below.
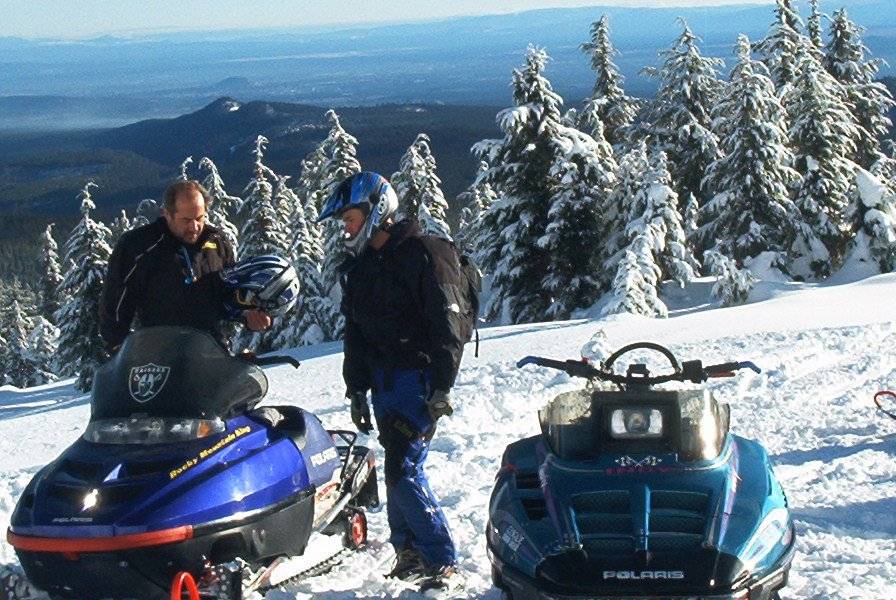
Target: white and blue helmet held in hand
x=267 y=283
x=369 y=192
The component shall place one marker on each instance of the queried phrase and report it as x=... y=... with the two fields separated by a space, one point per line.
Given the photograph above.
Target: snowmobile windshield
x=583 y=424
x=704 y=425
x=568 y=425
x=174 y=373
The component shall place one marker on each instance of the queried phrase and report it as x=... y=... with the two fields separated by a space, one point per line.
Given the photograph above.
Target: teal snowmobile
x=638 y=492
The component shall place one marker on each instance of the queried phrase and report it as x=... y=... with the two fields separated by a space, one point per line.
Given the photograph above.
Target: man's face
x=189 y=217
x=352 y=222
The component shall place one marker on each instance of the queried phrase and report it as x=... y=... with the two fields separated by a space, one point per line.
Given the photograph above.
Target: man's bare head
x=185 y=204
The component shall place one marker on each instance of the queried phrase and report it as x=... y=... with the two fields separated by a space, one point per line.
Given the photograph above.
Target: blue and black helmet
x=369 y=192
x=267 y=283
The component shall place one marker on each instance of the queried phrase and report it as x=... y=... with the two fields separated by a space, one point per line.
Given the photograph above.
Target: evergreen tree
x=732 y=284
x=5 y=360
x=223 y=205
x=781 y=46
x=312 y=185
x=751 y=210
x=873 y=213
x=51 y=278
x=608 y=104
x=679 y=118
x=43 y=342
x=147 y=211
x=584 y=172
x=691 y=219
x=184 y=167
x=119 y=225
x=475 y=201
x=671 y=249
x=263 y=231
x=314 y=310
x=870 y=100
x=814 y=26
x=81 y=349
x=320 y=316
x=821 y=134
x=618 y=211
x=436 y=220
x=520 y=166
x=19 y=371
x=417 y=184
x=342 y=163
x=634 y=287
x=407 y=180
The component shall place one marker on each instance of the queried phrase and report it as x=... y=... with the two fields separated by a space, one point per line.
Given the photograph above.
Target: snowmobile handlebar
x=690 y=370
x=266 y=361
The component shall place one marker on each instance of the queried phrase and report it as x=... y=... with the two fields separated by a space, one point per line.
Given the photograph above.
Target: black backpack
x=468 y=281
x=471 y=284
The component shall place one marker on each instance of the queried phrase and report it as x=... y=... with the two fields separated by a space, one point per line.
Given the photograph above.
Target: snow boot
x=443 y=579
x=409 y=566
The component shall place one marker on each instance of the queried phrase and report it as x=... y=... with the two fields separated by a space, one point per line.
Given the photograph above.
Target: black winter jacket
x=397 y=304
x=149 y=277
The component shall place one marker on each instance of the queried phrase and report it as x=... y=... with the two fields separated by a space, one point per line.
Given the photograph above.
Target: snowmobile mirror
x=692 y=370
x=886 y=402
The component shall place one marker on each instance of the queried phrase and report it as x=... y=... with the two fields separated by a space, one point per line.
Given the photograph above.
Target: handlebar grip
x=263 y=361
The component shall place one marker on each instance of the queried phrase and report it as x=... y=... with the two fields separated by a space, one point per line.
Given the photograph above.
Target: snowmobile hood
x=175 y=372
x=620 y=524
x=98 y=490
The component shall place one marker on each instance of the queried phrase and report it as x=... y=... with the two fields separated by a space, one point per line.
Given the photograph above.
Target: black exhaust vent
x=140 y=469
x=604 y=522
x=677 y=520
x=82 y=471
x=527 y=481
x=536 y=508
x=528 y=487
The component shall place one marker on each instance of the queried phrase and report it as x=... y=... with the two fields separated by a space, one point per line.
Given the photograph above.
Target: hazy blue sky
x=82 y=18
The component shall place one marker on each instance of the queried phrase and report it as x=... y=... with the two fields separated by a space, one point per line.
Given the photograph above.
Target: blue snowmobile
x=180 y=482
x=638 y=492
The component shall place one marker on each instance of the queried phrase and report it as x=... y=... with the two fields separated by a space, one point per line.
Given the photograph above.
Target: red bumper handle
x=184 y=580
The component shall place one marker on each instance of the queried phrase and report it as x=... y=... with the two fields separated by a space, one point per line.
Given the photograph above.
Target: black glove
x=439 y=405
x=360 y=412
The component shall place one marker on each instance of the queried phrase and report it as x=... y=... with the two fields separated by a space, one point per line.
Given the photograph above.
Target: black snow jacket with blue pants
x=402 y=342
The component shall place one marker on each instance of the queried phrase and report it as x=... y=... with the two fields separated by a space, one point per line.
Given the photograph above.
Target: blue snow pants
x=415 y=518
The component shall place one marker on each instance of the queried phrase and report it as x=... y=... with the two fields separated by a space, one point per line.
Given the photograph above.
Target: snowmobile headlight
x=774 y=529
x=636 y=423
x=151 y=430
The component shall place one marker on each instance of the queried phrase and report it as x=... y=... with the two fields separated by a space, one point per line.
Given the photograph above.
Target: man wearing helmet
x=402 y=345
x=161 y=272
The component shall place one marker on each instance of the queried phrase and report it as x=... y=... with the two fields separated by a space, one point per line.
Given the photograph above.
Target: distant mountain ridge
x=462 y=61
x=42 y=173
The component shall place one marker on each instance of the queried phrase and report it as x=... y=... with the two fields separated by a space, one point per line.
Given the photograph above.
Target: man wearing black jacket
x=403 y=344
x=162 y=272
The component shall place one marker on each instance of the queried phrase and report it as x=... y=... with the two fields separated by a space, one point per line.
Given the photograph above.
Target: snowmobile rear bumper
x=130 y=567
x=522 y=587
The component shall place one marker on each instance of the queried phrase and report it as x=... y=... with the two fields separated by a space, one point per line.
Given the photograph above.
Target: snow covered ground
x=824 y=350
